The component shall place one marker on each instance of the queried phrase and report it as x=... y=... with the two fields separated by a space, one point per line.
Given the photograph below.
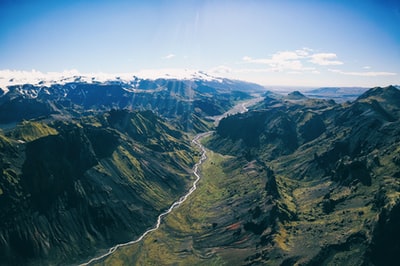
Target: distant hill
x=295 y=95
x=339 y=94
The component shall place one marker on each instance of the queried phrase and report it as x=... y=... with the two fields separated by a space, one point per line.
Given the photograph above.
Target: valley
x=89 y=175
x=207 y=229
x=197 y=171
x=114 y=251
x=176 y=204
x=253 y=208
x=200 y=132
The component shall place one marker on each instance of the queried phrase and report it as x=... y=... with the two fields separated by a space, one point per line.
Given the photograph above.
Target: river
x=196 y=141
x=239 y=108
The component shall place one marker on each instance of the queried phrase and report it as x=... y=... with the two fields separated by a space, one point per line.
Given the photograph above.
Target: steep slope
x=336 y=169
x=73 y=188
x=29 y=131
x=277 y=128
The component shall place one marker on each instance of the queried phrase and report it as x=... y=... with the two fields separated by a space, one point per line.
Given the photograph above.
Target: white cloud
x=304 y=51
x=309 y=62
x=325 y=59
x=220 y=70
x=284 y=61
x=248 y=59
x=169 y=56
x=254 y=70
x=363 y=74
x=287 y=55
x=296 y=61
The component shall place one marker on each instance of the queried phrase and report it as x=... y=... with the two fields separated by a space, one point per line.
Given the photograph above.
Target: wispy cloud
x=325 y=59
x=295 y=61
x=363 y=74
x=169 y=56
x=220 y=70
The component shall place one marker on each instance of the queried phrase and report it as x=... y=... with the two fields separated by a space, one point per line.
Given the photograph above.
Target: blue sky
x=296 y=43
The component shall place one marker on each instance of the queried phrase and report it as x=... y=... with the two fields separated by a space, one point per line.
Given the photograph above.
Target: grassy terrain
x=30 y=130
x=207 y=229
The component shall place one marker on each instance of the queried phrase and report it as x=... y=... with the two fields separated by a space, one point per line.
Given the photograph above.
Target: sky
x=270 y=42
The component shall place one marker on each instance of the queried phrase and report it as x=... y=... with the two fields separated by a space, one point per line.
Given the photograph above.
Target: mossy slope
x=73 y=188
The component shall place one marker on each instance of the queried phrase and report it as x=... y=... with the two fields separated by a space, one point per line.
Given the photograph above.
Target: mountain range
x=295 y=180
x=335 y=176
x=182 y=101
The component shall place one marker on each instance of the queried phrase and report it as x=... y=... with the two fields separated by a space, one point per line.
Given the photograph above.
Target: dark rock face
x=354 y=241
x=19 y=108
x=246 y=128
x=53 y=163
x=270 y=186
x=348 y=171
x=280 y=129
x=385 y=246
x=311 y=128
x=98 y=137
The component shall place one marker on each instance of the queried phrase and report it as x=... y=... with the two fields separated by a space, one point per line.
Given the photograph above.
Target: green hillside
x=70 y=189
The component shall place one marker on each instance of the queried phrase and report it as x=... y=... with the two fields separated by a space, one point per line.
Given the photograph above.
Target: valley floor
x=220 y=223
x=206 y=229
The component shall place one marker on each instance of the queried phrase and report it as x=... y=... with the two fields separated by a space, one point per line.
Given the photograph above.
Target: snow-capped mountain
x=174 y=94
x=37 y=78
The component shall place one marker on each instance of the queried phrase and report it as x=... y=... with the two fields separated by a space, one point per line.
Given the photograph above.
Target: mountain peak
x=296 y=95
x=390 y=93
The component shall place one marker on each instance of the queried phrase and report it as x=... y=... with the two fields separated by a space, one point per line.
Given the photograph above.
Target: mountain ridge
x=343 y=179
x=185 y=102
x=87 y=184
